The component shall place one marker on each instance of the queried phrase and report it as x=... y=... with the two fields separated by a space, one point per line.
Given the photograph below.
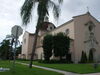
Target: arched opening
x=93 y=53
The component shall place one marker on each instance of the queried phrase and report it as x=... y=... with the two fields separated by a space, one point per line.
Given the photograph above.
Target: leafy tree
x=61 y=45
x=90 y=56
x=4 y=49
x=48 y=47
x=68 y=57
x=83 y=57
x=18 y=50
x=42 y=11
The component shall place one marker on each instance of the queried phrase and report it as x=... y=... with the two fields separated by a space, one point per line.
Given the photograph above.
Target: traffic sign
x=16 y=31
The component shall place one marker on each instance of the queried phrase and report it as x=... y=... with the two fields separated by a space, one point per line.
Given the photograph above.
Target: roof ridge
x=87 y=13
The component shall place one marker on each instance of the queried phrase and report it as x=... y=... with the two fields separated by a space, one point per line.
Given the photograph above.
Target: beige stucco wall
x=30 y=46
x=62 y=28
x=25 y=44
x=79 y=35
x=80 y=28
x=97 y=35
x=39 y=52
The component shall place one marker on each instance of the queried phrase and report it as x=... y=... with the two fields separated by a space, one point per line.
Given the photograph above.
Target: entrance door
x=93 y=50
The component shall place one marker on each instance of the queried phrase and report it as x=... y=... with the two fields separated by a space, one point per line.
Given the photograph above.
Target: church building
x=82 y=29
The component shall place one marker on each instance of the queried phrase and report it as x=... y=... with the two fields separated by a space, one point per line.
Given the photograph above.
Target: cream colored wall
x=38 y=42
x=63 y=28
x=97 y=35
x=25 y=45
x=39 y=52
x=79 y=35
x=30 y=45
x=80 y=28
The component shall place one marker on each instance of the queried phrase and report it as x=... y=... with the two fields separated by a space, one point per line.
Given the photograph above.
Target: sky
x=10 y=14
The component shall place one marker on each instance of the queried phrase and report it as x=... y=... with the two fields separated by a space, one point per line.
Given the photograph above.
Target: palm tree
x=42 y=11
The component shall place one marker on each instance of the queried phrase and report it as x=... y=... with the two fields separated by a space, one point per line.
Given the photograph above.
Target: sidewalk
x=59 y=71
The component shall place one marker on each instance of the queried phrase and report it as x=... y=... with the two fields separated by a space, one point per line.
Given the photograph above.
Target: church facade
x=83 y=29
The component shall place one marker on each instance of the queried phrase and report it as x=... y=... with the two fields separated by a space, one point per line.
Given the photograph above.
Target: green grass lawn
x=77 y=68
x=24 y=70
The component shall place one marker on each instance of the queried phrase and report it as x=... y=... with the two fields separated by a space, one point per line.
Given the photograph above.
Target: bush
x=47 y=47
x=58 y=45
x=68 y=57
x=61 y=45
x=83 y=57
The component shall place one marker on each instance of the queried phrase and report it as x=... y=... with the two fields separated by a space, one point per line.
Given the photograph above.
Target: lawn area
x=77 y=68
x=24 y=70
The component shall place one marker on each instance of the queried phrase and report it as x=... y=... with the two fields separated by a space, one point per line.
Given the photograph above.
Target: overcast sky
x=10 y=13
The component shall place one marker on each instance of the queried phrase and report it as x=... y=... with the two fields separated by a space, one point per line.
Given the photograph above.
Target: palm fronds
x=26 y=11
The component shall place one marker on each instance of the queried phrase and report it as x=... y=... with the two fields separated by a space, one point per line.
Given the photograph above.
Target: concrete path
x=59 y=71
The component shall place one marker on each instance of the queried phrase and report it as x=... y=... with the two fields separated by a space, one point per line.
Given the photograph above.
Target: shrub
x=47 y=47
x=83 y=57
x=61 y=44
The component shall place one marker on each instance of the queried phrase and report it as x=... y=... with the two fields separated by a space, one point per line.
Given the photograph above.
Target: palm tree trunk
x=40 y=21
x=34 y=47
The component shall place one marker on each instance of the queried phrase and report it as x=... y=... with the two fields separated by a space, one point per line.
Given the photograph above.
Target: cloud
x=93 y=7
x=10 y=13
x=72 y=8
x=9 y=16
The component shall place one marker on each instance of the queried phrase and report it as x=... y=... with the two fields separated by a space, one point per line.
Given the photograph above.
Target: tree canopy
x=42 y=9
x=61 y=45
x=47 y=47
x=4 y=49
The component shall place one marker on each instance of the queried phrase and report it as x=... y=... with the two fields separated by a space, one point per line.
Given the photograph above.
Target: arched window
x=67 y=31
x=90 y=28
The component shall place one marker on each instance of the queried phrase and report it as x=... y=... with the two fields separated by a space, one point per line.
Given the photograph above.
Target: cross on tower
x=87 y=9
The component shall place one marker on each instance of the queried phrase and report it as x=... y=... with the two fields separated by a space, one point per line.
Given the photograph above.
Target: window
x=67 y=31
x=50 y=28
x=90 y=28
